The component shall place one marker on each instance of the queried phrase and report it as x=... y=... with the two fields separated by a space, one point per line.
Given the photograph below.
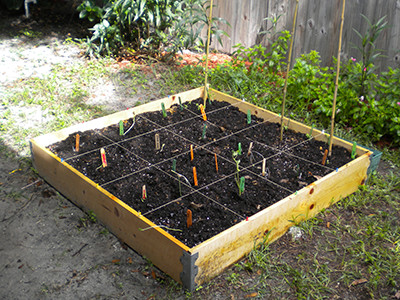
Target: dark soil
x=133 y=161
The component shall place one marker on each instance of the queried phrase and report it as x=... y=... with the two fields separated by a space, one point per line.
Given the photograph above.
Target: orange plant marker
x=324 y=157
x=189 y=218
x=77 y=142
x=195 y=176
x=216 y=162
x=191 y=152
x=203 y=112
x=103 y=157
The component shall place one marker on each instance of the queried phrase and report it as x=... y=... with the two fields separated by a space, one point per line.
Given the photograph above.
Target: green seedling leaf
x=241 y=185
x=203 y=135
x=240 y=148
x=174 y=165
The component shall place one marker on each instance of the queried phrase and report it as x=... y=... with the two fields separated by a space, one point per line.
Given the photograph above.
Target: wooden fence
x=317 y=27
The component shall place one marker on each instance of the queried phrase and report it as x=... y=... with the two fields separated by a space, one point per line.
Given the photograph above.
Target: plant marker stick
x=157 y=141
x=191 y=152
x=216 y=162
x=324 y=157
x=250 y=147
x=353 y=150
x=164 y=112
x=264 y=163
x=103 y=157
x=203 y=135
x=189 y=218
x=195 y=176
x=121 y=127
x=203 y=112
x=248 y=116
x=337 y=80
x=288 y=66
x=144 y=193
x=180 y=103
x=240 y=148
x=205 y=94
x=77 y=137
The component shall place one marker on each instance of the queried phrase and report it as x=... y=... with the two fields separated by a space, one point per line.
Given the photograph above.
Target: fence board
x=317 y=26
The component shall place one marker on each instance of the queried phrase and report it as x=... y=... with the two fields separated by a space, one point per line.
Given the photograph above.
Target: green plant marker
x=241 y=185
x=164 y=112
x=174 y=165
x=203 y=135
x=121 y=127
x=248 y=116
x=240 y=148
x=180 y=103
x=353 y=150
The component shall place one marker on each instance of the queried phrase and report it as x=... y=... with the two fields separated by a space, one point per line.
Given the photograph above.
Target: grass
x=351 y=250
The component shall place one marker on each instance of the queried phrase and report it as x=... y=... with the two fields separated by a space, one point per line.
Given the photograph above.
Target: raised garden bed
x=226 y=221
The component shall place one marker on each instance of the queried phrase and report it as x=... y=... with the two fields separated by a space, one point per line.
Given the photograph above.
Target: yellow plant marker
x=195 y=177
x=203 y=112
x=103 y=157
x=77 y=137
x=189 y=218
x=191 y=152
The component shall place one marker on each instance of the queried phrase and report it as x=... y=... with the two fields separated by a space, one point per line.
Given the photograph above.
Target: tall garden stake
x=336 y=80
x=288 y=65
x=207 y=52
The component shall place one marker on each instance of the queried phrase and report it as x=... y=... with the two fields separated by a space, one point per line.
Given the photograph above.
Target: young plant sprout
x=250 y=147
x=77 y=137
x=179 y=182
x=203 y=135
x=103 y=157
x=235 y=154
x=164 y=112
x=188 y=218
x=121 y=127
x=174 y=165
x=309 y=136
x=354 y=150
x=157 y=141
x=248 y=116
x=180 y=103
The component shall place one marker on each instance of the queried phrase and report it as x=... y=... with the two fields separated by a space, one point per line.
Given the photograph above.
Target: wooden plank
x=275 y=118
x=161 y=248
x=221 y=251
x=54 y=137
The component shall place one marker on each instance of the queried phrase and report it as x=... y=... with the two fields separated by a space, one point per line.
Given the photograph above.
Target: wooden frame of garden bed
x=196 y=265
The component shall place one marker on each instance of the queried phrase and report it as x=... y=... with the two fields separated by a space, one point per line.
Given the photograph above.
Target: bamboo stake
x=288 y=66
x=337 y=79
x=207 y=52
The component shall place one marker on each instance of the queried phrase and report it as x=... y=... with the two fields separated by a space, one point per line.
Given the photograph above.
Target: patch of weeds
x=104 y=232
x=85 y=221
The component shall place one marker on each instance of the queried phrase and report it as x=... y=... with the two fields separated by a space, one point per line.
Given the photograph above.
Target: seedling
x=235 y=154
x=164 y=112
x=309 y=136
x=180 y=103
x=248 y=116
x=203 y=135
x=174 y=165
x=354 y=150
x=121 y=127
x=179 y=182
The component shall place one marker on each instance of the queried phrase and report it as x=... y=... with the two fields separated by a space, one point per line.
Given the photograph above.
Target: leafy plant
x=88 y=9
